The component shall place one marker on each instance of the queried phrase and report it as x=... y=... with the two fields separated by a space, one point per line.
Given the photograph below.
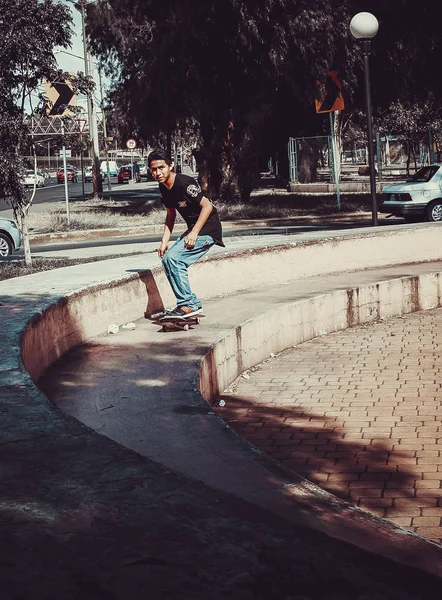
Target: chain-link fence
x=311 y=158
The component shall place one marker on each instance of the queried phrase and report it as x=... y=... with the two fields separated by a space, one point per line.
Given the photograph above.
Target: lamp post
x=364 y=26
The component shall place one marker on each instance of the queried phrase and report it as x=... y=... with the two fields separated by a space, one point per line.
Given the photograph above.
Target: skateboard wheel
x=197 y=321
x=186 y=327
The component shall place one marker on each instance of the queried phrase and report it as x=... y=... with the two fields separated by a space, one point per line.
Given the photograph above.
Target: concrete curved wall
x=87 y=313
x=291 y=324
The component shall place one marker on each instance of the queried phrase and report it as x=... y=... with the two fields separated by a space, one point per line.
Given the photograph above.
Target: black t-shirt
x=185 y=196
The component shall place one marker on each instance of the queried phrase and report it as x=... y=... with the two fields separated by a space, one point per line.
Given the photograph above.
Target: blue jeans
x=175 y=263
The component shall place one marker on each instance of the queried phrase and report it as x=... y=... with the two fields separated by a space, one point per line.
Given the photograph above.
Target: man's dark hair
x=159 y=155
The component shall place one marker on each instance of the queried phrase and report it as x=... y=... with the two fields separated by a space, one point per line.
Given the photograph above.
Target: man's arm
x=192 y=236
x=168 y=228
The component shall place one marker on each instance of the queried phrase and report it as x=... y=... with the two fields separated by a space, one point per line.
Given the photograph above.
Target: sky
x=70 y=63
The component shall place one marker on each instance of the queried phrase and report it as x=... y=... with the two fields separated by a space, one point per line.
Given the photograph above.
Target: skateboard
x=178 y=323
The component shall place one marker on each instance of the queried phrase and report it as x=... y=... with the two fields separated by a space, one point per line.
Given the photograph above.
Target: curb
x=98 y=234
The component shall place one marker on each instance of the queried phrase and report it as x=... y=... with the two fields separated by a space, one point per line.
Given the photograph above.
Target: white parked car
x=31 y=178
x=9 y=237
x=417 y=199
x=143 y=170
x=88 y=174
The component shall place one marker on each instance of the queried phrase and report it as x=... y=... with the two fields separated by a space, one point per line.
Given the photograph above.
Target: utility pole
x=103 y=116
x=92 y=114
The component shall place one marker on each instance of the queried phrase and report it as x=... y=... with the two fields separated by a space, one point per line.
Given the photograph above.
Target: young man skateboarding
x=183 y=194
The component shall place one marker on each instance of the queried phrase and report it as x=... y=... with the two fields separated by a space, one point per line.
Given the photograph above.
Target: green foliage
x=216 y=63
x=29 y=30
x=245 y=71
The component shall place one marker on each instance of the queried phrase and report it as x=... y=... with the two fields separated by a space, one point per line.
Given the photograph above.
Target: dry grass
x=17 y=268
x=111 y=214
x=106 y=215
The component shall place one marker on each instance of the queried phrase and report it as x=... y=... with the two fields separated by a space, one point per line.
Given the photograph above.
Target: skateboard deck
x=178 y=323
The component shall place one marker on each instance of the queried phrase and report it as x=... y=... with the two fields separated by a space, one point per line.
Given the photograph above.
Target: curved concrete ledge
x=71 y=317
x=291 y=324
x=84 y=313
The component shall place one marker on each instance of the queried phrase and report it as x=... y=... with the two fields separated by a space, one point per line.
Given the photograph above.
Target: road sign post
x=66 y=193
x=329 y=100
x=131 y=144
x=335 y=166
x=60 y=97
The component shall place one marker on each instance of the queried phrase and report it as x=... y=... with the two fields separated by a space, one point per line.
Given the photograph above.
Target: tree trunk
x=21 y=216
x=408 y=157
x=208 y=162
x=307 y=172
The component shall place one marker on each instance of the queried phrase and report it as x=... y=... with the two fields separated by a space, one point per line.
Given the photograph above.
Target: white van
x=113 y=168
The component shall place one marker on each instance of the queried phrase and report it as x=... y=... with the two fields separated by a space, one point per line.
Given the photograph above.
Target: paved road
x=358 y=413
x=54 y=192
x=149 y=243
x=51 y=193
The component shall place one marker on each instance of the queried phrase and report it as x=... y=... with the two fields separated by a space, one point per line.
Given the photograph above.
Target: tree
x=30 y=30
x=223 y=63
x=245 y=70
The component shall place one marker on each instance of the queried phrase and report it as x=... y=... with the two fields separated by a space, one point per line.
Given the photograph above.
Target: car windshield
x=424 y=174
x=29 y=172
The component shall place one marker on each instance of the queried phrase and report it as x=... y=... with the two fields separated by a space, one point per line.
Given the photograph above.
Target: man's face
x=160 y=170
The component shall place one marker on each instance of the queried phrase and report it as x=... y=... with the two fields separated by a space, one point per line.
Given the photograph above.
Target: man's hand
x=162 y=249
x=190 y=239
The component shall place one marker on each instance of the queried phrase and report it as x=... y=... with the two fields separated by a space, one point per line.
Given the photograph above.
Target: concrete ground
x=137 y=491
x=133 y=388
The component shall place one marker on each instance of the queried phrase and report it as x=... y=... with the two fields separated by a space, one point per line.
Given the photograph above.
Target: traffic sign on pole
x=131 y=144
x=60 y=98
x=81 y=124
x=329 y=95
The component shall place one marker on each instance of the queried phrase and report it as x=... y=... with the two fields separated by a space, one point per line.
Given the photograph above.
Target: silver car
x=32 y=179
x=9 y=237
x=417 y=199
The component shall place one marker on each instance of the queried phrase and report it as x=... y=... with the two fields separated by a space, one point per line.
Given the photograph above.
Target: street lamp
x=364 y=26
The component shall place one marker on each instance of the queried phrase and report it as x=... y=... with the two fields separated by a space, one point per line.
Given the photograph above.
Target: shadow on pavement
x=123 y=524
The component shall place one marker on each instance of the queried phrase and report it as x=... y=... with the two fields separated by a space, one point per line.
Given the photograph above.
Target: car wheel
x=434 y=211
x=5 y=245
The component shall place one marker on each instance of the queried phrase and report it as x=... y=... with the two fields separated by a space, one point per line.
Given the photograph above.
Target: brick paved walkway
x=359 y=413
